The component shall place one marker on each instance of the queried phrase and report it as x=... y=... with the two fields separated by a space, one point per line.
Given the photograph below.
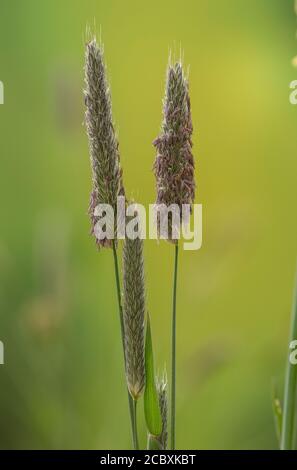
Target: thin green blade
x=151 y=400
x=290 y=395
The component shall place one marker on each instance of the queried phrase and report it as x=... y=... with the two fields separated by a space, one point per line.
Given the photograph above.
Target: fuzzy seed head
x=174 y=163
x=134 y=315
x=160 y=442
x=103 y=145
x=163 y=402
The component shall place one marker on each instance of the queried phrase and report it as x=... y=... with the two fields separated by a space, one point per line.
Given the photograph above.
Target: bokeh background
x=62 y=385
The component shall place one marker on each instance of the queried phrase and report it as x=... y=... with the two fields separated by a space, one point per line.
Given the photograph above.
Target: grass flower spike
x=174 y=164
x=134 y=322
x=174 y=172
x=134 y=315
x=160 y=442
x=103 y=144
x=105 y=161
x=162 y=391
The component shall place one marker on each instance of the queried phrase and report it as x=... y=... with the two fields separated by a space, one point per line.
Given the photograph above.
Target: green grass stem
x=290 y=396
x=173 y=351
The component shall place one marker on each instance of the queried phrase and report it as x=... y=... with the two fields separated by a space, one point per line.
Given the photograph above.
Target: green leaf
x=151 y=400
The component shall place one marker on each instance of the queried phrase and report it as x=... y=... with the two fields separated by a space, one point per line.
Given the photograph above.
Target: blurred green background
x=62 y=384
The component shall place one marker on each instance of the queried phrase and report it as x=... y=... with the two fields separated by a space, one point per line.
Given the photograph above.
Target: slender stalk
x=173 y=350
x=117 y=275
x=290 y=398
x=135 y=436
